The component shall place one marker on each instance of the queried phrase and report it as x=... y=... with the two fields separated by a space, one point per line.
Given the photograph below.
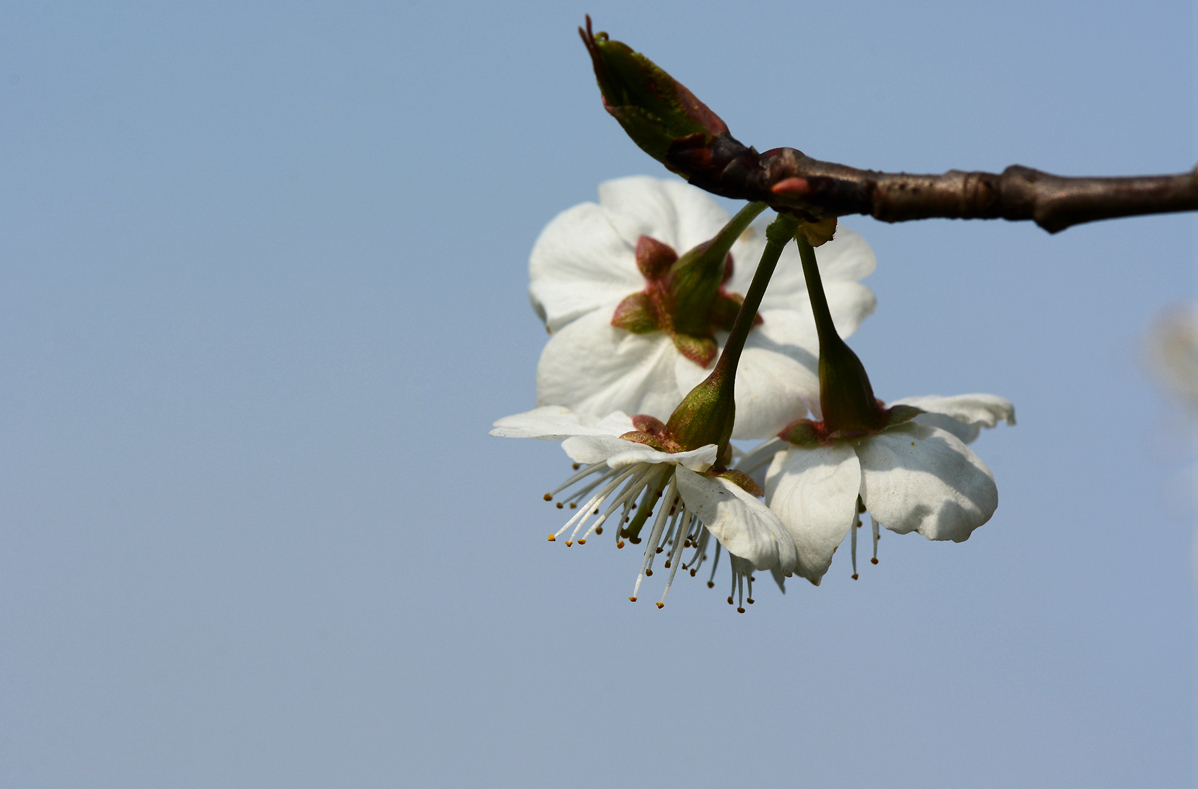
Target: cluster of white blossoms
x=639 y=293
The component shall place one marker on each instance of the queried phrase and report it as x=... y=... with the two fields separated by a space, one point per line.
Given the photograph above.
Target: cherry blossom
x=673 y=496
x=599 y=269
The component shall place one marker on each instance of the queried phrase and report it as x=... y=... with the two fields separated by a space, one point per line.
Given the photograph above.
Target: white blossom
x=917 y=475
x=686 y=502
x=584 y=266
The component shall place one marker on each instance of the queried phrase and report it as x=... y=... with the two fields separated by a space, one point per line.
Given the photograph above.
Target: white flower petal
x=617 y=423
x=595 y=368
x=555 y=423
x=776 y=380
x=963 y=415
x=920 y=478
x=850 y=303
x=736 y=518
x=772 y=390
x=579 y=262
x=757 y=461
x=846 y=258
x=699 y=459
x=814 y=492
x=594 y=448
x=670 y=211
x=746 y=254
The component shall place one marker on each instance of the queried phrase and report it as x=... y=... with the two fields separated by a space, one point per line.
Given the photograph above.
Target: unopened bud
x=656 y=111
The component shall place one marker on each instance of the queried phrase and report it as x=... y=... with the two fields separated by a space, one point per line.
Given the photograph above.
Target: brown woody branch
x=674 y=127
x=787 y=179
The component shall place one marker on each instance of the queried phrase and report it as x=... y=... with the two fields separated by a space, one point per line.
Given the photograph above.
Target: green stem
x=779 y=233
x=737 y=225
x=824 y=326
x=706 y=415
x=846 y=396
x=697 y=274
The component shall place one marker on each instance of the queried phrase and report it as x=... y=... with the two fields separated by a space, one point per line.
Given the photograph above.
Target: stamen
x=658 y=527
x=741 y=569
x=621 y=499
x=853 y=531
x=686 y=522
x=700 y=543
x=877 y=536
x=637 y=480
x=714 y=564
x=583 y=514
x=591 y=469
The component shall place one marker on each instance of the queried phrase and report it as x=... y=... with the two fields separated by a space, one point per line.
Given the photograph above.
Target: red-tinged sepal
x=806 y=433
x=649 y=440
x=897 y=414
x=637 y=314
x=803 y=433
x=741 y=480
x=700 y=350
x=654 y=257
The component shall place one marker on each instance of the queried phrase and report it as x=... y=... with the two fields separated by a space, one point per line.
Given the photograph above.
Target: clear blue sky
x=262 y=293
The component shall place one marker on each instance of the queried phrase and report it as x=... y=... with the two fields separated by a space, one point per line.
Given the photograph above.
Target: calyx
x=683 y=297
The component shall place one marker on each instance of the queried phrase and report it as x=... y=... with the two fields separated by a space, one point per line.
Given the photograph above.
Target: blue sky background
x=262 y=293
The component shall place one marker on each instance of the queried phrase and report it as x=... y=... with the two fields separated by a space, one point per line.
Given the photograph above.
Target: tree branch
x=790 y=180
x=673 y=126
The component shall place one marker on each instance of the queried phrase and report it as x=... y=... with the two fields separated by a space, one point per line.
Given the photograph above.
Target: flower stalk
x=697 y=275
x=707 y=414
x=846 y=396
